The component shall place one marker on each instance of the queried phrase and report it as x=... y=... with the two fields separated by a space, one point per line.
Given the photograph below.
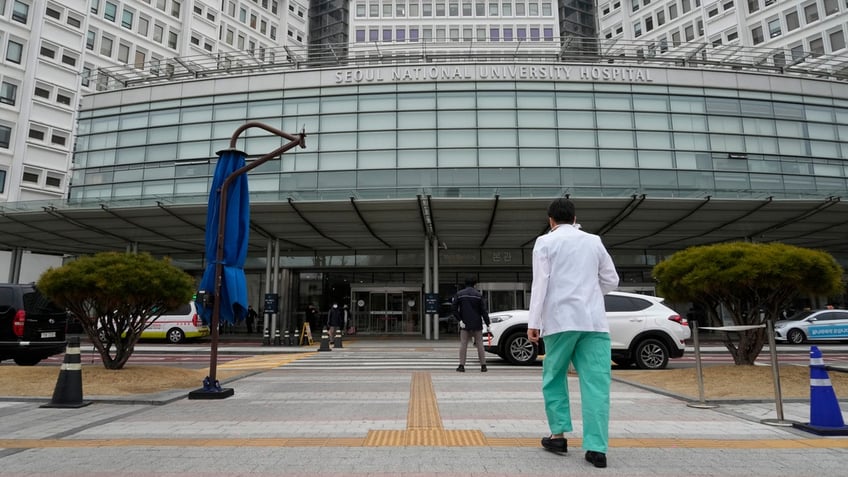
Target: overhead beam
x=365 y=223
x=314 y=227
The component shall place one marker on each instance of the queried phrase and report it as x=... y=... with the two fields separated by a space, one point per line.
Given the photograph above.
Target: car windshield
x=800 y=315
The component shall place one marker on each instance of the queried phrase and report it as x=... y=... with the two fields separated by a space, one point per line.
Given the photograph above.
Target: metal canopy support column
x=15 y=265
x=265 y=317
x=276 y=271
x=285 y=299
x=436 y=284
x=427 y=287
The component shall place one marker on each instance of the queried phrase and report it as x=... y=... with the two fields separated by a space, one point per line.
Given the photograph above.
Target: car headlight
x=499 y=318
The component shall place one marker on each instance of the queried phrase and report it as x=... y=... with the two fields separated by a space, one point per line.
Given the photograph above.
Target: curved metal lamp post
x=211 y=388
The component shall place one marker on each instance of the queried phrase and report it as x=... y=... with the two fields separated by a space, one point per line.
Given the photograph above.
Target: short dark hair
x=470 y=281
x=562 y=211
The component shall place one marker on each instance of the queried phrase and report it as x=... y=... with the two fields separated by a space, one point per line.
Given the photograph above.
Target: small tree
x=752 y=282
x=115 y=296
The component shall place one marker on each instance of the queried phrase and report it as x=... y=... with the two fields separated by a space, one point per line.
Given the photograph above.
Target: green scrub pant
x=590 y=353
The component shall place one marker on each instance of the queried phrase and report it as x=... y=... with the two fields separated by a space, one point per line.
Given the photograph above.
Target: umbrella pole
x=211 y=387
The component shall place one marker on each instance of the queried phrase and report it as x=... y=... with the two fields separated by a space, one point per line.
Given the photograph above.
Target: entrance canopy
x=627 y=224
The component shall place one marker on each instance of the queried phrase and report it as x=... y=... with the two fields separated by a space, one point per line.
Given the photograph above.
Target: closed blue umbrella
x=227 y=231
x=233 y=293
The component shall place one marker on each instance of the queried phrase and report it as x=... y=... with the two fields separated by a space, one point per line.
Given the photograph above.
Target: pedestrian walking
x=251 y=318
x=470 y=309
x=335 y=320
x=571 y=273
x=348 y=324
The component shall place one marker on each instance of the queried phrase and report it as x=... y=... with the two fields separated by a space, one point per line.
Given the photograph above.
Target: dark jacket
x=469 y=308
x=335 y=317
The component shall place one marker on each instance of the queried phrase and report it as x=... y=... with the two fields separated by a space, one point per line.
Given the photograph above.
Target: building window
x=8 y=93
x=58 y=139
x=20 y=12
x=660 y=18
x=127 y=19
x=123 y=53
x=5 y=137
x=47 y=52
x=49 y=11
x=176 y=9
x=95 y=6
x=74 y=21
x=41 y=92
x=69 y=60
x=14 y=52
x=792 y=21
x=685 y=6
x=830 y=7
x=143 y=26
x=63 y=99
x=753 y=6
x=172 y=39
x=110 y=11
x=90 y=38
x=36 y=134
x=106 y=46
x=53 y=181
x=811 y=13
x=774 y=28
x=816 y=47
x=837 y=40
x=2 y=172
x=757 y=35
x=672 y=11
x=30 y=177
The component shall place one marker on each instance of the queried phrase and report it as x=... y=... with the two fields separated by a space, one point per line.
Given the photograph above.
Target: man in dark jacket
x=470 y=309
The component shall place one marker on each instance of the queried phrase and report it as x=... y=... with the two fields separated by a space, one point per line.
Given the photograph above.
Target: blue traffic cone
x=825 y=415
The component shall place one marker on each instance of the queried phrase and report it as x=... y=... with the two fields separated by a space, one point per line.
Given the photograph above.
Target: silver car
x=813 y=325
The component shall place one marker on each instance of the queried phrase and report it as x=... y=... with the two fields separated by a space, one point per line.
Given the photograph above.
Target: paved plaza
x=387 y=408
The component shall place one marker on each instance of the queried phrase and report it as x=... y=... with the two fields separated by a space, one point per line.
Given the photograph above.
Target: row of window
x=39 y=134
x=9 y=93
x=110 y=10
x=161 y=34
x=811 y=9
x=455 y=33
x=453 y=8
x=509 y=182
x=60 y=14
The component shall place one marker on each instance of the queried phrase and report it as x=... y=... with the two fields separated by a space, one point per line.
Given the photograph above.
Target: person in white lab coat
x=572 y=271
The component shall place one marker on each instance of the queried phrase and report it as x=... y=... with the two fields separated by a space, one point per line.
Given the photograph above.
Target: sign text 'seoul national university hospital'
x=494 y=72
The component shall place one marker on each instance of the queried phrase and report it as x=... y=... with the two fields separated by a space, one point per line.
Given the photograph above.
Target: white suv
x=642 y=331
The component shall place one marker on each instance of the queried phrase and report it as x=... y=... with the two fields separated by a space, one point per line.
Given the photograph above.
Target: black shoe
x=598 y=459
x=555 y=444
x=483 y=368
x=460 y=369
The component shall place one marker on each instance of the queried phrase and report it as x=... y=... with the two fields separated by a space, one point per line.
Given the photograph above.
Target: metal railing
x=566 y=50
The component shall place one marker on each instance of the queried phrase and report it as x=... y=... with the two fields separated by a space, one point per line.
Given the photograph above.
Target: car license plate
x=48 y=334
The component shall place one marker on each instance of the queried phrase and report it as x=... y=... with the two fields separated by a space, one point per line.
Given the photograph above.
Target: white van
x=177 y=325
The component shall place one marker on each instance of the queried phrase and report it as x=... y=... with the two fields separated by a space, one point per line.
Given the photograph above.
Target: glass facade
x=476 y=139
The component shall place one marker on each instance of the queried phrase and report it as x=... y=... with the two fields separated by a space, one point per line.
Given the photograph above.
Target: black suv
x=31 y=326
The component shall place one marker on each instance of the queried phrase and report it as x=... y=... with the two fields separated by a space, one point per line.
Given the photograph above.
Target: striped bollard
x=68 y=391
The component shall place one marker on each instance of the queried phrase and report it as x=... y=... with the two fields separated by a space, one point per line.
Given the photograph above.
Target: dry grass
x=734 y=382
x=720 y=381
x=40 y=381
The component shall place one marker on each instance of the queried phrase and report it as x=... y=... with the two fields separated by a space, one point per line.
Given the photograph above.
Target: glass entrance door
x=505 y=296
x=386 y=310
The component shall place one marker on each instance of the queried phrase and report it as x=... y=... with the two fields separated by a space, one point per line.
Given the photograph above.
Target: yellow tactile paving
x=423 y=408
x=268 y=361
x=429 y=438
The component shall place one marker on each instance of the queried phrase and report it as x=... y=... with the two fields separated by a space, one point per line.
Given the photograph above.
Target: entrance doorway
x=386 y=309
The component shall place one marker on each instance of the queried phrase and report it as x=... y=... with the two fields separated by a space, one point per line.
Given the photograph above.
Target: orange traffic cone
x=68 y=391
x=825 y=415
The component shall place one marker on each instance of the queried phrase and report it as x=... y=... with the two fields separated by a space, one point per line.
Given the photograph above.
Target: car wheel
x=651 y=354
x=519 y=349
x=27 y=360
x=796 y=336
x=175 y=335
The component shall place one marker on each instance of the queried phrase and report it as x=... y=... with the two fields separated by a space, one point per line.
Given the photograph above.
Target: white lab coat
x=572 y=271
